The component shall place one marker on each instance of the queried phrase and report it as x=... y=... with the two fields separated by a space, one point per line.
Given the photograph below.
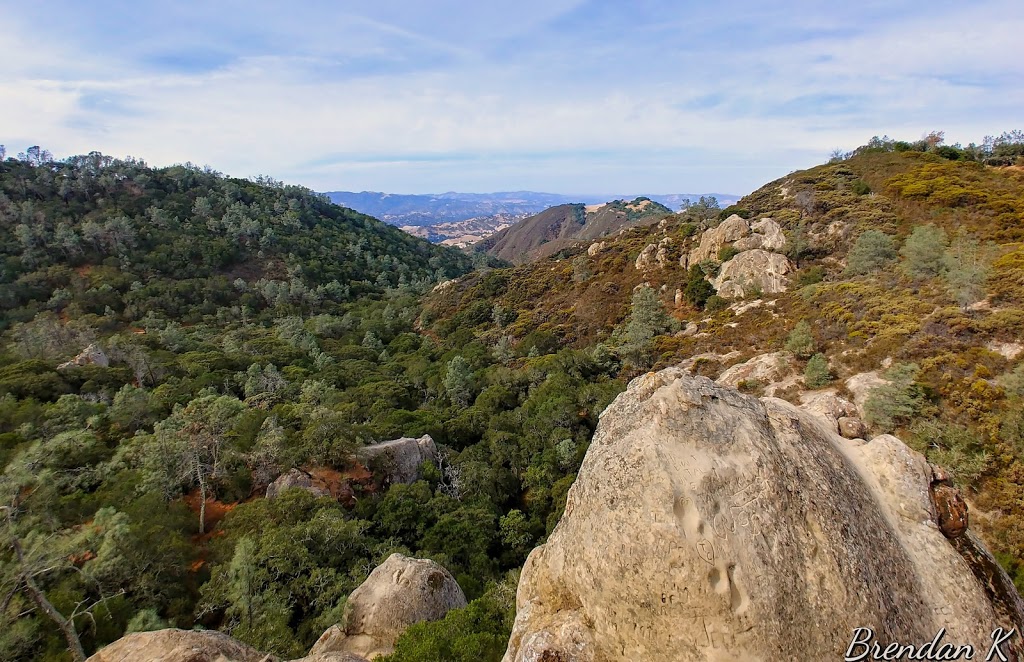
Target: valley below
x=240 y=422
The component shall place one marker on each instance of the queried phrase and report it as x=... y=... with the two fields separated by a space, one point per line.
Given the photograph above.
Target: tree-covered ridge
x=92 y=235
x=237 y=330
x=105 y=466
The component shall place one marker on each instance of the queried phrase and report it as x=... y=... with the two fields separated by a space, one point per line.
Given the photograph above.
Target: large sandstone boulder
x=172 y=645
x=399 y=592
x=295 y=479
x=731 y=229
x=646 y=258
x=706 y=525
x=399 y=460
x=753 y=269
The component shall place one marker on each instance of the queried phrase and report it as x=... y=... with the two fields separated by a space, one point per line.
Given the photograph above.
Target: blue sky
x=566 y=96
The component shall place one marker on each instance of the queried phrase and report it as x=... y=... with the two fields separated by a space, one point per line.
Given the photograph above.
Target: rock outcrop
x=399 y=460
x=172 y=645
x=91 y=355
x=764 y=369
x=740 y=234
x=399 y=592
x=654 y=255
x=295 y=479
x=753 y=270
x=731 y=229
x=709 y=525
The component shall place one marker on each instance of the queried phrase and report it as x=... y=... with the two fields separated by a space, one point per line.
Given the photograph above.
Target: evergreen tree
x=968 y=264
x=800 y=340
x=872 y=251
x=458 y=381
x=923 y=252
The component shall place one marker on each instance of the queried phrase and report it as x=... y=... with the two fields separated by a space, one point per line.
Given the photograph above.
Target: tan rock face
x=764 y=368
x=731 y=229
x=399 y=592
x=399 y=460
x=774 y=239
x=706 y=525
x=172 y=645
x=753 y=269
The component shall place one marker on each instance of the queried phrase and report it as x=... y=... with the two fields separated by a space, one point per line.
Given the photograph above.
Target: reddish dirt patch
x=215 y=510
x=339 y=483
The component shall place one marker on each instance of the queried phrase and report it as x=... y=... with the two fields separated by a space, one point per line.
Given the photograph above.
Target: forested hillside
x=238 y=329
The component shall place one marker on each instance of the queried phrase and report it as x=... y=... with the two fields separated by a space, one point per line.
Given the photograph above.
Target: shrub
x=734 y=209
x=800 y=340
x=478 y=631
x=810 y=276
x=817 y=373
x=969 y=265
x=955 y=447
x=727 y=253
x=872 y=251
x=715 y=303
x=923 y=252
x=697 y=290
x=860 y=187
x=896 y=402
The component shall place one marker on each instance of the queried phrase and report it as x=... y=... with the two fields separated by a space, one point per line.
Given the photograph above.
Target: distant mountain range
x=420 y=210
x=461 y=219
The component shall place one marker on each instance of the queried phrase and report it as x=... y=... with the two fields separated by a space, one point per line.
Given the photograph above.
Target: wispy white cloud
x=559 y=95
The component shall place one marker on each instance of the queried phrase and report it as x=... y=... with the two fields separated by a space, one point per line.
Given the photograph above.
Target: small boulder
x=399 y=592
x=851 y=427
x=739 y=308
x=828 y=406
x=297 y=479
x=1008 y=350
x=950 y=510
x=173 y=645
x=399 y=460
x=646 y=258
x=664 y=246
